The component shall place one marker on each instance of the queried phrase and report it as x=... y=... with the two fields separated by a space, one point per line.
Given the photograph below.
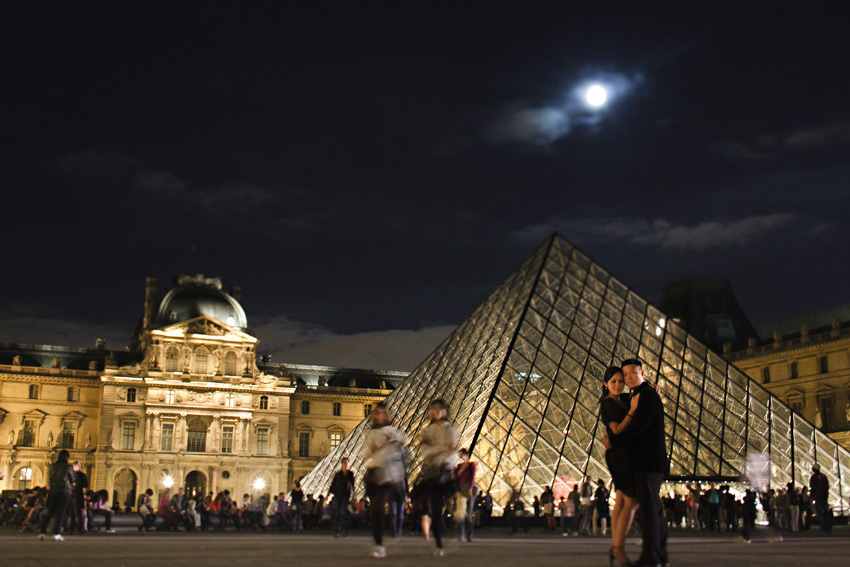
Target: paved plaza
x=320 y=549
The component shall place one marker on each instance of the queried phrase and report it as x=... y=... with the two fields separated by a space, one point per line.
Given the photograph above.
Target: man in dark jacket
x=78 y=504
x=61 y=478
x=819 y=486
x=341 y=486
x=648 y=453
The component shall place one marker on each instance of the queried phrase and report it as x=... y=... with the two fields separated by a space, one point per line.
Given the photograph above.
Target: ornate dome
x=194 y=296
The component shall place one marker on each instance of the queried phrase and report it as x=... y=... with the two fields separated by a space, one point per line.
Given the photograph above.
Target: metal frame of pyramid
x=522 y=376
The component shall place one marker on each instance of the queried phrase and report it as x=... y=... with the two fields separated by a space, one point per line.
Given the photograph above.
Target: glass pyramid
x=522 y=377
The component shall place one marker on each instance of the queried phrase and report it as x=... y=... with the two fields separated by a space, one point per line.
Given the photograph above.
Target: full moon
x=596 y=96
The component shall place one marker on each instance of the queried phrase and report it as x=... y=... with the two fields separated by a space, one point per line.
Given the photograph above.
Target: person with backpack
x=62 y=480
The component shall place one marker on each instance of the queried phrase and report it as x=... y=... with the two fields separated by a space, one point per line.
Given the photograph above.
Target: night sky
x=369 y=172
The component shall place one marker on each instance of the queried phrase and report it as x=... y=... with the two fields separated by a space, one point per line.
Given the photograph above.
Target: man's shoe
x=58 y=537
x=110 y=531
x=439 y=552
x=41 y=537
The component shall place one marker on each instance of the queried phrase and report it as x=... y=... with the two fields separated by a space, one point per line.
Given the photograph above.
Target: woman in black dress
x=617 y=410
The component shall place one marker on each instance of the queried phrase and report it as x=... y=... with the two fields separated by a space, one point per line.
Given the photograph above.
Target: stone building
x=809 y=369
x=188 y=404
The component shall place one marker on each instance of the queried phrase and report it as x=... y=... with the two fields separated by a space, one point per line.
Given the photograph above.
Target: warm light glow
x=259 y=484
x=596 y=96
x=658 y=331
x=168 y=481
x=662 y=322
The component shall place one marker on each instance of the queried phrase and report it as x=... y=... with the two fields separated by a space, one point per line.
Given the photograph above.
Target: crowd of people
x=66 y=504
x=446 y=488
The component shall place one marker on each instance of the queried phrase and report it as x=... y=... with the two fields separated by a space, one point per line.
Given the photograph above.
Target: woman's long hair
x=609 y=373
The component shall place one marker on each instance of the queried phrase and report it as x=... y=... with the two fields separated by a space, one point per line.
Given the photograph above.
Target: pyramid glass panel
x=523 y=374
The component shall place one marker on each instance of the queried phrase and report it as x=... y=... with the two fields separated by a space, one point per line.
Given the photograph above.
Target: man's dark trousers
x=648 y=487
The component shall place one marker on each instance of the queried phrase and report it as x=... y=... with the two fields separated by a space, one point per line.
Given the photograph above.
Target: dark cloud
x=304 y=343
x=662 y=234
x=40 y=324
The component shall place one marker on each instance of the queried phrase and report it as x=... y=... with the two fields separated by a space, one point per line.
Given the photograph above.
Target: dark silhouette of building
x=708 y=310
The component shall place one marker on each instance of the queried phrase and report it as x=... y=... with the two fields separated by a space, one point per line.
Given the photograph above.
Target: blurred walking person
x=439 y=443
x=385 y=474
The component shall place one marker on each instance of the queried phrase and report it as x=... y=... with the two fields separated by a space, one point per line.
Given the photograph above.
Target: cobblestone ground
x=320 y=549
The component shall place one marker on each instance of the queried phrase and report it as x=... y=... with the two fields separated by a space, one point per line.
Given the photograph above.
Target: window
x=27 y=438
x=73 y=394
x=824 y=365
x=827 y=413
x=171 y=362
x=367 y=410
x=725 y=329
x=197 y=437
x=227 y=439
x=24 y=478
x=765 y=373
x=336 y=438
x=794 y=372
x=337 y=408
x=167 y=438
x=229 y=400
x=128 y=436
x=230 y=364
x=303 y=444
x=305 y=407
x=264 y=402
x=33 y=391
x=131 y=394
x=66 y=438
x=170 y=396
x=797 y=407
x=262 y=441
x=201 y=361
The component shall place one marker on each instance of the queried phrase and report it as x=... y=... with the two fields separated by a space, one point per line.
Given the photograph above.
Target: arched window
x=197 y=436
x=24 y=478
x=264 y=402
x=33 y=391
x=171 y=359
x=230 y=364
x=170 y=396
x=201 y=356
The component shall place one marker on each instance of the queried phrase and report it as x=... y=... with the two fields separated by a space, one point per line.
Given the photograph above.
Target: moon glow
x=596 y=96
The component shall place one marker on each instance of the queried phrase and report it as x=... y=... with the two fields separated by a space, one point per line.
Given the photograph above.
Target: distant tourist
x=342 y=486
x=61 y=480
x=819 y=486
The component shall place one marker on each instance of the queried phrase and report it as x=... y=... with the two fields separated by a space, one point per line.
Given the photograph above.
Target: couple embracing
x=636 y=455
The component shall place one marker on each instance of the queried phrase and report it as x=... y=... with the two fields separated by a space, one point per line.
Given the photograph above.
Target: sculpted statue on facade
x=92 y=365
x=50 y=439
x=16 y=360
x=818 y=419
x=11 y=437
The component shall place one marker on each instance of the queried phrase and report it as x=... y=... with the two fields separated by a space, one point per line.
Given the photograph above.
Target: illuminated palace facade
x=809 y=369
x=189 y=402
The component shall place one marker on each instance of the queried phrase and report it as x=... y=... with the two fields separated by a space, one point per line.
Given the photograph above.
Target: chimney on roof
x=236 y=292
x=100 y=344
x=150 y=303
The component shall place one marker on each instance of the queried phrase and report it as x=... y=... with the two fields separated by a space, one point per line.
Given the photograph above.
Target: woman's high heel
x=615 y=559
